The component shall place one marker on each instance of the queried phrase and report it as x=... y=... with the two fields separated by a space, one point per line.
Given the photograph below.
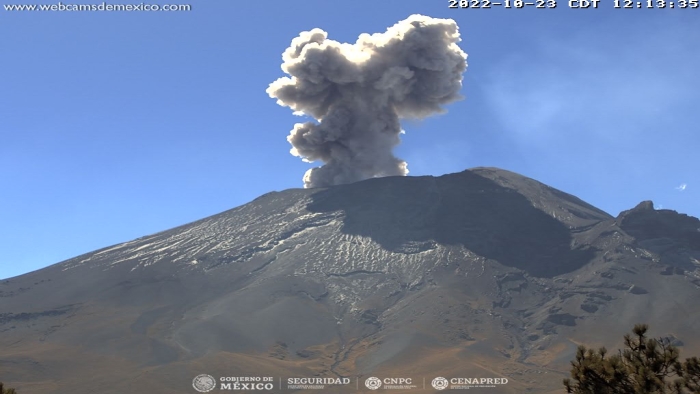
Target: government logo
x=440 y=383
x=373 y=383
x=204 y=383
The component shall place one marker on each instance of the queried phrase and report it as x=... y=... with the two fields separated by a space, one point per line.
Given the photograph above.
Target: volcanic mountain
x=483 y=273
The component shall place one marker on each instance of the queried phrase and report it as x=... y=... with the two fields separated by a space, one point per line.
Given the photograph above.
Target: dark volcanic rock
x=563 y=319
x=634 y=289
x=444 y=276
x=668 y=228
x=482 y=211
x=590 y=308
x=673 y=237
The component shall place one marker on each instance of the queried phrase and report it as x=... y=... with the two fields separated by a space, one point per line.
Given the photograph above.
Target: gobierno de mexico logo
x=204 y=383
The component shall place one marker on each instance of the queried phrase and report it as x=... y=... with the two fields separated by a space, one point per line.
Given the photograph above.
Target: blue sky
x=119 y=125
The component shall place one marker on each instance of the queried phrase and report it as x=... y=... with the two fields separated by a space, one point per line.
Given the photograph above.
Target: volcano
x=478 y=274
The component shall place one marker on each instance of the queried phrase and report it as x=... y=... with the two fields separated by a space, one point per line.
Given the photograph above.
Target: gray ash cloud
x=358 y=92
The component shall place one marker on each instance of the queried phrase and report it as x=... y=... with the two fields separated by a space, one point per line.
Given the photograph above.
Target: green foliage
x=644 y=366
x=3 y=390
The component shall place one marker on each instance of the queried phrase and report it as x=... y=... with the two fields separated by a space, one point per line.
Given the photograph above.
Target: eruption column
x=358 y=92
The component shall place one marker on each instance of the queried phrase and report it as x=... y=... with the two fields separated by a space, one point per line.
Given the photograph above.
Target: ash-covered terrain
x=483 y=273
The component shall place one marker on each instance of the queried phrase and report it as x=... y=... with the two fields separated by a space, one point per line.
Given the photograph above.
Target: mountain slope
x=482 y=273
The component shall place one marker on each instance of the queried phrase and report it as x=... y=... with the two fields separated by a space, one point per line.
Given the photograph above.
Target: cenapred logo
x=373 y=383
x=440 y=383
x=204 y=383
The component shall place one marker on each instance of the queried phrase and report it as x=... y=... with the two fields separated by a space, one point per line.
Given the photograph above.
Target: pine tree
x=690 y=373
x=645 y=366
x=3 y=390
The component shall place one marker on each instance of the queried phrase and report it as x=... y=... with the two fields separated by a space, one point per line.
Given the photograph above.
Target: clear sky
x=116 y=125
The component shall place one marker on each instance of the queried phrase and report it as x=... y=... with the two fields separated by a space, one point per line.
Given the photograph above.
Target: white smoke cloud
x=681 y=187
x=358 y=92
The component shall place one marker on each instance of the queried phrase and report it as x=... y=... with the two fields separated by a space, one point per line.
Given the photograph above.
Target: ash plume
x=358 y=92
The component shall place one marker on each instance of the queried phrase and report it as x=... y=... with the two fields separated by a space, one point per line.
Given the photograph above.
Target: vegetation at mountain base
x=644 y=366
x=3 y=390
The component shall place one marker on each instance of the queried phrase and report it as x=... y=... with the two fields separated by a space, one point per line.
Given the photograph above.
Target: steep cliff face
x=479 y=272
x=673 y=237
